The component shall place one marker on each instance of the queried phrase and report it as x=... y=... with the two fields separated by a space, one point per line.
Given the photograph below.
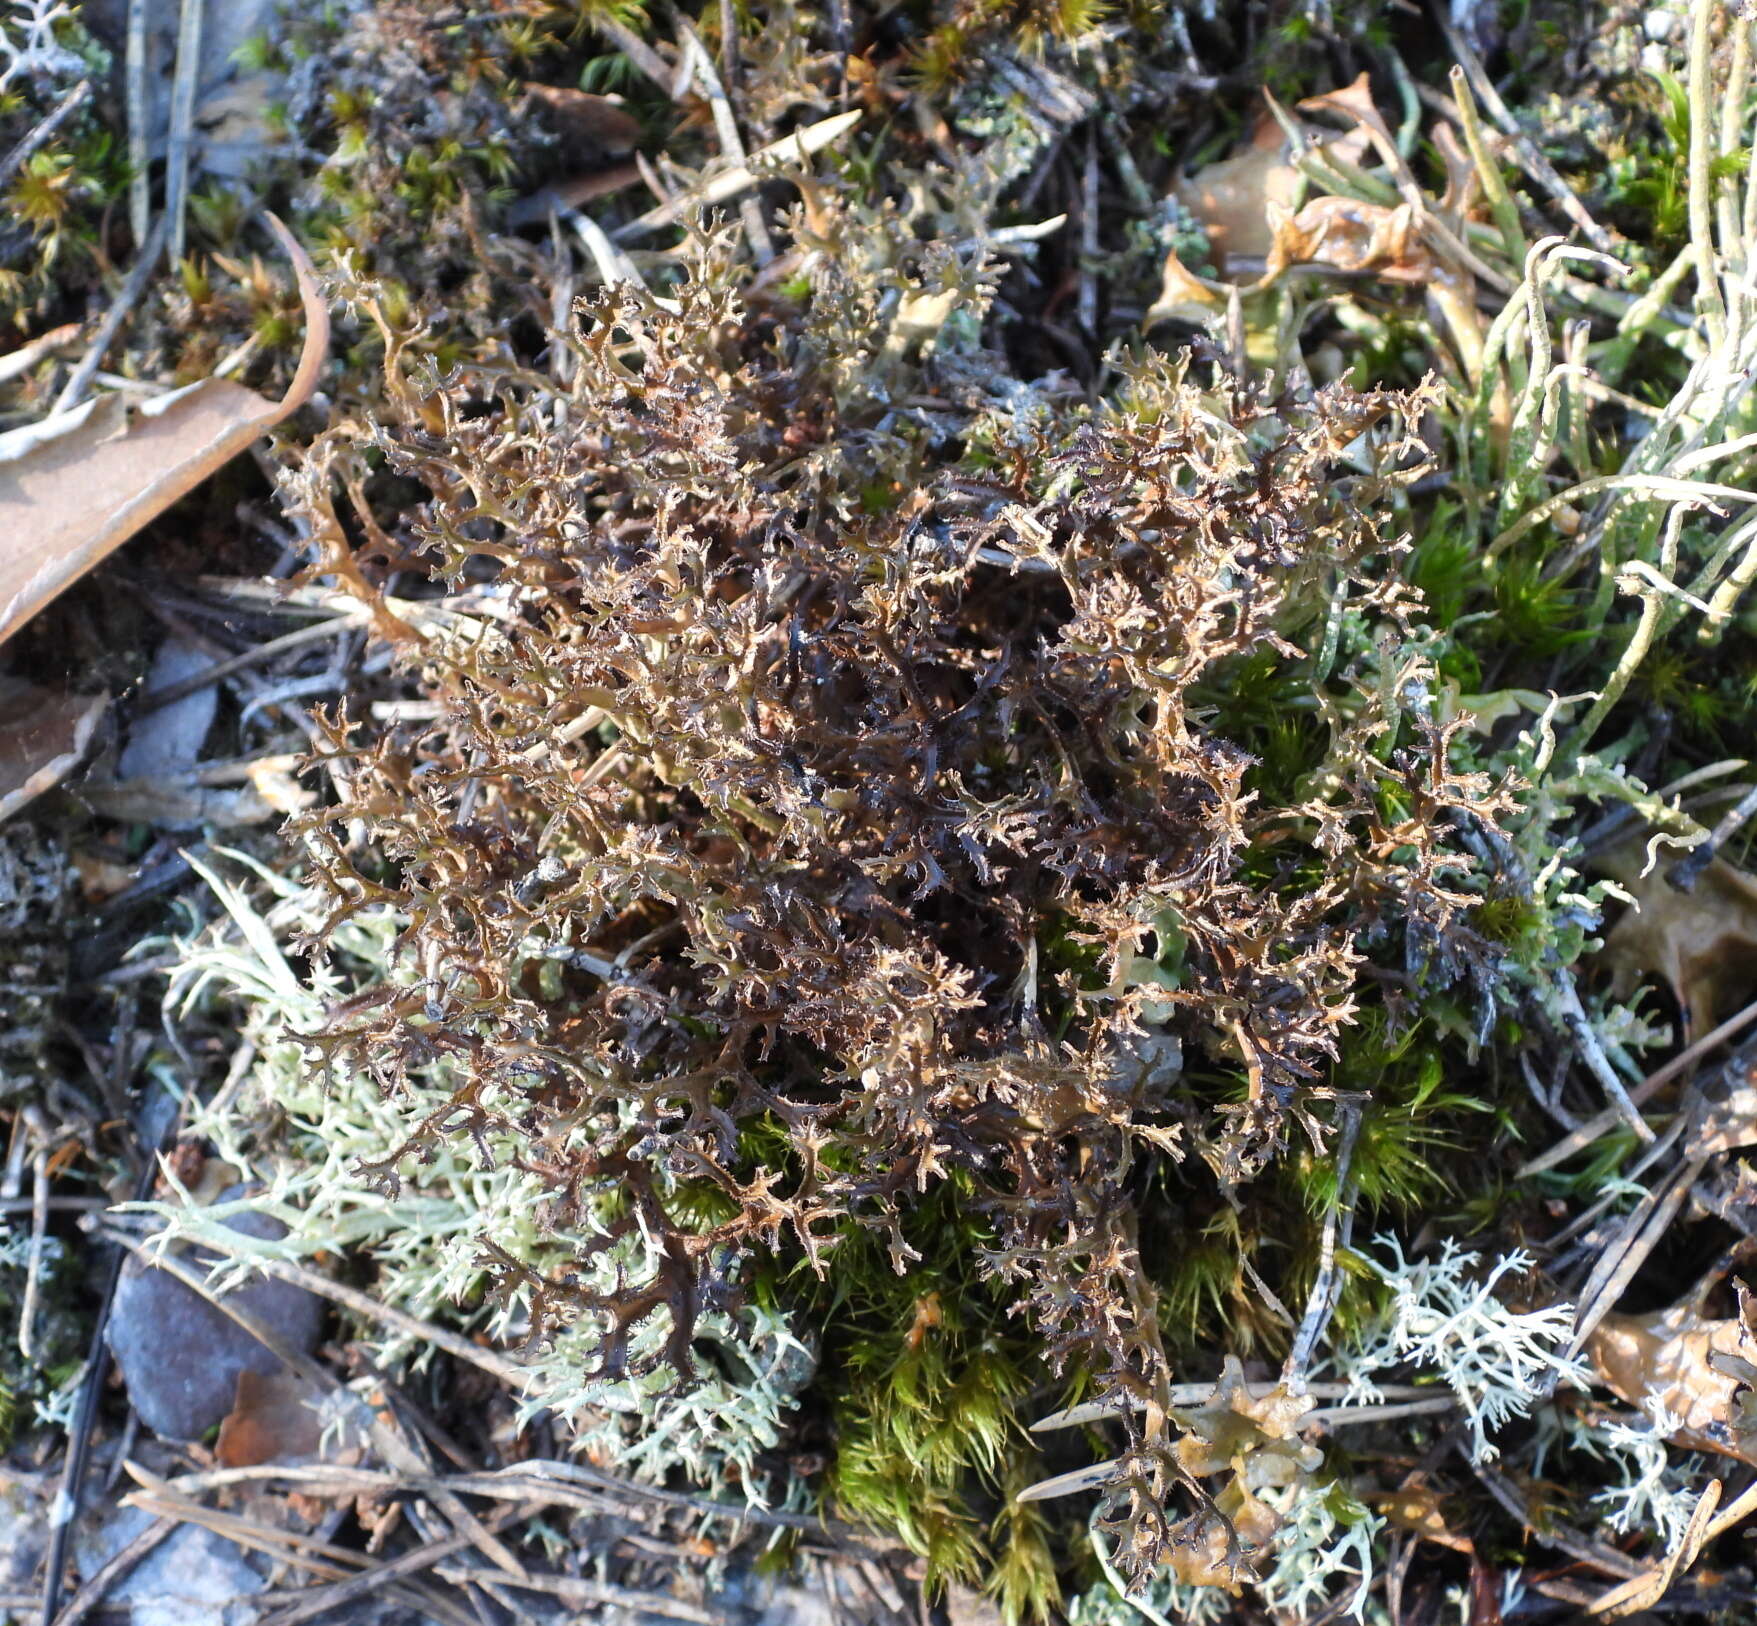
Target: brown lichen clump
x=828 y=800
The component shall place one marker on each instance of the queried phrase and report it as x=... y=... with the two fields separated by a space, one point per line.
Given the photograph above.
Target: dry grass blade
x=320 y=1600
x=385 y=1439
x=731 y=182
x=1579 y=1139
x=321 y=1558
x=74 y=488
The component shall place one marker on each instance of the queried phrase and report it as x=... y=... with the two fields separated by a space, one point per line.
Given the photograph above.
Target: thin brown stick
x=46 y=127
x=319 y=1558
x=321 y=1599
x=297 y=639
x=1579 y=1139
x=89 y=1596
x=385 y=1439
x=132 y=288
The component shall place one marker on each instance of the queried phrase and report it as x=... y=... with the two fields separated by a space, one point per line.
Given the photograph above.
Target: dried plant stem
x=92 y=1593
x=797 y=147
x=45 y=127
x=1322 y=1303
x=384 y=1437
x=726 y=128
x=33 y=1280
x=139 y=183
x=183 y=88
x=636 y=49
x=1656 y=1081
x=26 y=356
x=1592 y=1053
x=1636 y=1239
x=424 y=1332
x=320 y=1558
x=135 y=285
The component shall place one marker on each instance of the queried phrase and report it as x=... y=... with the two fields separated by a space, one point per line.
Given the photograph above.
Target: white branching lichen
x=304 y=1133
x=1445 y=1318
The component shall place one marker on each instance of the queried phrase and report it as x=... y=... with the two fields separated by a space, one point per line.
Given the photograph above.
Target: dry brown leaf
x=274 y=1419
x=1230 y=197
x=1701 y=943
x=75 y=487
x=1420 y=1509
x=42 y=735
x=587 y=123
x=1183 y=296
x=1697 y=1369
x=1351 y=237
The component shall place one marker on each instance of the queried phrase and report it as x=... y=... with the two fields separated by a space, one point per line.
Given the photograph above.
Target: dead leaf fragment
x=1702 y=944
x=586 y=122
x=274 y=1419
x=1230 y=197
x=42 y=736
x=1697 y=1369
x=75 y=487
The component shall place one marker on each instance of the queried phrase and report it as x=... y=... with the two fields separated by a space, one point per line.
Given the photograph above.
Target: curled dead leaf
x=42 y=736
x=1699 y=1370
x=1354 y=238
x=75 y=487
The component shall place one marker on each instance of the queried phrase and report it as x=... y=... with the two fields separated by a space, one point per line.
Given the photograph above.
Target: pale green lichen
x=303 y=1133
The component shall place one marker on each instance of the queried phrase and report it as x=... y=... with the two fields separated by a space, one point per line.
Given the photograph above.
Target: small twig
x=729 y=183
x=636 y=49
x=89 y=1596
x=385 y=1439
x=132 y=288
x=26 y=356
x=139 y=182
x=1650 y=1086
x=46 y=127
x=1322 y=1303
x=317 y=1557
x=726 y=128
x=85 y=1412
x=1702 y=101
x=1639 y=1235
x=1592 y=1053
x=27 y=1315
x=153 y=699
x=319 y=1600
x=1087 y=304
x=1643 y=1591
x=499 y=1366
x=1552 y=1532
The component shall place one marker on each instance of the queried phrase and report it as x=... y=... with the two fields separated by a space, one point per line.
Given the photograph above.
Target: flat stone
x=192 y=1578
x=180 y=1356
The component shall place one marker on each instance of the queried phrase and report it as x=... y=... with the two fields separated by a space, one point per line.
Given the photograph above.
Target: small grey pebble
x=180 y=1357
